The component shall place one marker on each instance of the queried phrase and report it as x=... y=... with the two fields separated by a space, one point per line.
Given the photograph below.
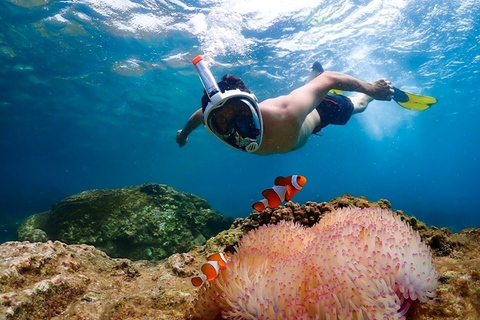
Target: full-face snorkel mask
x=232 y=116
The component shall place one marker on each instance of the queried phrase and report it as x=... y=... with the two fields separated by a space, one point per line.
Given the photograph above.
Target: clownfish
x=211 y=269
x=284 y=189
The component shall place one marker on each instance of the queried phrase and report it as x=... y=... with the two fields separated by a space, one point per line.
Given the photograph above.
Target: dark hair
x=229 y=82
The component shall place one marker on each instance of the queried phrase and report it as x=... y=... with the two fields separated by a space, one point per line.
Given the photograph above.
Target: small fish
x=283 y=190
x=211 y=269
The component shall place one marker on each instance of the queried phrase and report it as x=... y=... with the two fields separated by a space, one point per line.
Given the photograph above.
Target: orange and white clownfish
x=211 y=269
x=284 y=189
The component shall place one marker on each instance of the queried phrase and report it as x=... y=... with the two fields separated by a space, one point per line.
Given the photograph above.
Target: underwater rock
x=92 y=285
x=151 y=221
x=35 y=235
x=53 y=280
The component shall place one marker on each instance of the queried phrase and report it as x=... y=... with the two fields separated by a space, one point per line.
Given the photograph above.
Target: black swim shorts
x=334 y=109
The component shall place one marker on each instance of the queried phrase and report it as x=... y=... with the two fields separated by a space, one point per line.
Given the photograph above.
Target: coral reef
x=94 y=286
x=151 y=221
x=307 y=214
x=310 y=213
x=354 y=264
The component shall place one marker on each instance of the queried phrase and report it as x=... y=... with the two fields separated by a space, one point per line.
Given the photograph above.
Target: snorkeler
x=283 y=124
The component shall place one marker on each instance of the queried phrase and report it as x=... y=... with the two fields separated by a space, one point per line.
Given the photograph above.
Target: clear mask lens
x=237 y=123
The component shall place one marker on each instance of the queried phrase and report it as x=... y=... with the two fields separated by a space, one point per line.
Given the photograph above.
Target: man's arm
x=193 y=122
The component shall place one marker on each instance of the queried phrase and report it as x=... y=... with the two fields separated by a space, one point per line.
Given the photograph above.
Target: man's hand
x=181 y=139
x=382 y=89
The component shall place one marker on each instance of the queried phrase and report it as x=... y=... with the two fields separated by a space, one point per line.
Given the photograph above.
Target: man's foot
x=317 y=66
x=317 y=70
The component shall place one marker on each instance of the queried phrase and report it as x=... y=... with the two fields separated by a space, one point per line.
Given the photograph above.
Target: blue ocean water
x=92 y=93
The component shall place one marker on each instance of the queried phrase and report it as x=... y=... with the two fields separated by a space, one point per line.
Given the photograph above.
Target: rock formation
x=151 y=221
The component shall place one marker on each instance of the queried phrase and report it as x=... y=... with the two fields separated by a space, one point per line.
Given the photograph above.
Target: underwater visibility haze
x=94 y=91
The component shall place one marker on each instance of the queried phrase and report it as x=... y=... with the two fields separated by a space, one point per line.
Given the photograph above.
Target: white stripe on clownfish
x=283 y=190
x=294 y=182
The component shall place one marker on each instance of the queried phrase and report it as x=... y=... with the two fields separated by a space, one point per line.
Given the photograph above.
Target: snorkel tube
x=206 y=76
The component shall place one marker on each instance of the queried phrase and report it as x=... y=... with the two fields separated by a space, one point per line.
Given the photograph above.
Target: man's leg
x=360 y=102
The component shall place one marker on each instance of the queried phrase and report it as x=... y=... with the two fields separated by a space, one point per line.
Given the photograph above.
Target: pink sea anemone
x=354 y=264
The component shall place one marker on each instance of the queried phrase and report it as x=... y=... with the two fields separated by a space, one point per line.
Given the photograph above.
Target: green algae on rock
x=151 y=221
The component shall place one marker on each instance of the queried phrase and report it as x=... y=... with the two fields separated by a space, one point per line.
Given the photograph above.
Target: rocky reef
x=53 y=280
x=151 y=221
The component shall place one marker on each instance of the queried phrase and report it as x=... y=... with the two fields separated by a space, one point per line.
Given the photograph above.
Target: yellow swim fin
x=412 y=101
x=336 y=91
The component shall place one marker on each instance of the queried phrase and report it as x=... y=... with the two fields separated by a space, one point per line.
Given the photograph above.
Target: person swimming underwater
x=283 y=124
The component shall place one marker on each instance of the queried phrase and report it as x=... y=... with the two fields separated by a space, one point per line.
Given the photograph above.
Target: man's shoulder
x=274 y=103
